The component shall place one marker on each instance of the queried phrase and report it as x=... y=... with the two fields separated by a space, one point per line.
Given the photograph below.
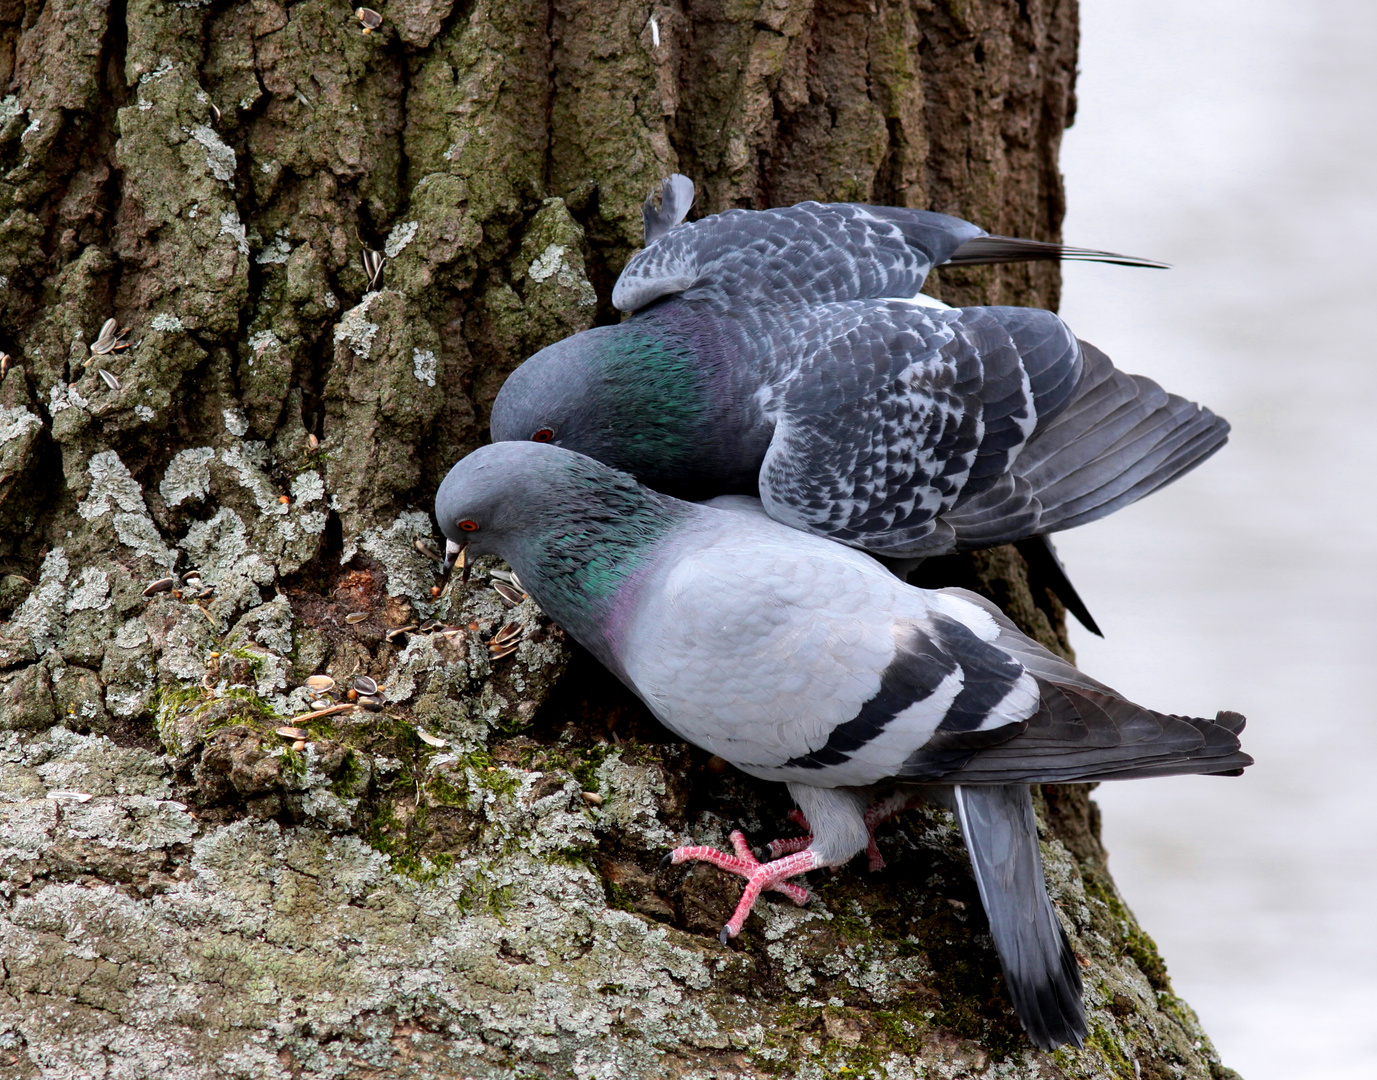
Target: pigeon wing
x=797 y=660
x=896 y=414
x=811 y=253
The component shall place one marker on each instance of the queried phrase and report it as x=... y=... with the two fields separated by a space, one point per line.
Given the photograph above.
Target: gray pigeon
x=787 y=353
x=802 y=661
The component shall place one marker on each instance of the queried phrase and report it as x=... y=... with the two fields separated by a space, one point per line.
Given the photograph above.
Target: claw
x=760 y=876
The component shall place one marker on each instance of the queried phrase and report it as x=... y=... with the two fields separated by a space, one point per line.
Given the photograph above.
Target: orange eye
x=468 y=525
x=543 y=435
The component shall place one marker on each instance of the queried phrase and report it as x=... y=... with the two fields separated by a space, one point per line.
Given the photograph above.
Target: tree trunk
x=459 y=879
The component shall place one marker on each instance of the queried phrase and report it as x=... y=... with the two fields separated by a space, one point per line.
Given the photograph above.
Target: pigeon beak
x=455 y=553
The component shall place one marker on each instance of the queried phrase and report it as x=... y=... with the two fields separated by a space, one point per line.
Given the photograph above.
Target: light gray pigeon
x=787 y=353
x=806 y=662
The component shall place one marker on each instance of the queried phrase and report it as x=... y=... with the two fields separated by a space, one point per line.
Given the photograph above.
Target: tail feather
x=676 y=199
x=1046 y=571
x=1008 y=249
x=1039 y=967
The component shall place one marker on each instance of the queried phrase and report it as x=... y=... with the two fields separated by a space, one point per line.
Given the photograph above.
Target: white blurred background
x=1237 y=139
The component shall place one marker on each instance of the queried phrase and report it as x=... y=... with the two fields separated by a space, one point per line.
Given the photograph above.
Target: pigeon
x=788 y=354
x=807 y=662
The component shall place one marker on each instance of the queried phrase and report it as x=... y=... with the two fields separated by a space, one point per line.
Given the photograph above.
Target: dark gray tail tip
x=1233 y=721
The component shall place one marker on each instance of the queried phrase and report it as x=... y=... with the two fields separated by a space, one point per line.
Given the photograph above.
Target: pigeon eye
x=468 y=525
x=543 y=435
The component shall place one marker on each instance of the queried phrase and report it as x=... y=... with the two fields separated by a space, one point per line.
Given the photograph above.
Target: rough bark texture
x=229 y=902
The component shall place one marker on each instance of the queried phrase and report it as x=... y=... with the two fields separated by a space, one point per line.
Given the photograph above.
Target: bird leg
x=876 y=814
x=759 y=876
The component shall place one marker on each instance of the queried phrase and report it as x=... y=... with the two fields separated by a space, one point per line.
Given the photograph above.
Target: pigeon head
x=632 y=396
x=572 y=528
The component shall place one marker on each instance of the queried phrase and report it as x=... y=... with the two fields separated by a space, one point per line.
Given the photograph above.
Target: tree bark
x=462 y=881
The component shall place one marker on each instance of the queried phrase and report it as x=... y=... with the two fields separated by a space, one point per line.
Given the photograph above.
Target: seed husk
x=320 y=684
x=293 y=733
x=110 y=380
x=372 y=704
x=371 y=19
x=516 y=583
x=299 y=745
x=429 y=739
x=426 y=550
x=105 y=340
x=214 y=113
x=509 y=596
x=392 y=635
x=355 y=617
x=592 y=798
x=69 y=796
x=364 y=685
x=321 y=703
x=499 y=653
x=159 y=586
x=508 y=634
x=312 y=442
x=372 y=260
x=191 y=576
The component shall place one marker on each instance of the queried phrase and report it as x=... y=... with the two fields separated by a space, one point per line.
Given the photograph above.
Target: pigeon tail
x=1039 y=967
x=676 y=199
x=1008 y=249
x=1121 y=437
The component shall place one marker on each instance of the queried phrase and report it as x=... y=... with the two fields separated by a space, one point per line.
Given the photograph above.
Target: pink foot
x=876 y=814
x=759 y=876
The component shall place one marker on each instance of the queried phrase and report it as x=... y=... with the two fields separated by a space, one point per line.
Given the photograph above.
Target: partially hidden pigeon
x=788 y=353
x=806 y=662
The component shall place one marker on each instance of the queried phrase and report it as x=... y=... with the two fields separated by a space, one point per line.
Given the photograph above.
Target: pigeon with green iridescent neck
x=803 y=661
x=789 y=354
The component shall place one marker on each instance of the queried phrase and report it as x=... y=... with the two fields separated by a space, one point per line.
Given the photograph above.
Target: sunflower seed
x=321 y=703
x=110 y=380
x=364 y=685
x=372 y=704
x=429 y=739
x=105 y=340
x=506 y=650
x=426 y=550
x=190 y=576
x=432 y=626
x=500 y=575
x=371 y=19
x=355 y=617
x=161 y=585
x=312 y=442
x=392 y=635
x=4 y=363
x=592 y=798
x=372 y=260
x=508 y=634
x=214 y=113
x=320 y=684
x=69 y=796
x=293 y=733
x=510 y=596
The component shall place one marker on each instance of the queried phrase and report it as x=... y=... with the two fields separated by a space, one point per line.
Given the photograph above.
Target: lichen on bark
x=464 y=882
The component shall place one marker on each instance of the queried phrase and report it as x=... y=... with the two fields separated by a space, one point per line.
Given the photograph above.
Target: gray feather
x=676 y=199
x=1007 y=249
x=1039 y=967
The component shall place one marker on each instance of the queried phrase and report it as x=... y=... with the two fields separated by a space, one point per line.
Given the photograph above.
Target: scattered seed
x=392 y=635
x=320 y=684
x=429 y=739
x=191 y=577
x=435 y=591
x=355 y=617
x=105 y=340
x=516 y=583
x=510 y=596
x=69 y=796
x=110 y=380
x=299 y=745
x=173 y=803
x=432 y=626
x=426 y=550
x=352 y=695
x=509 y=634
x=285 y=500
x=592 y=798
x=506 y=650
x=372 y=704
x=372 y=260
x=159 y=586
x=215 y=656
x=322 y=703
x=364 y=685
x=371 y=19
x=312 y=442
x=214 y=113
x=293 y=733
x=4 y=363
